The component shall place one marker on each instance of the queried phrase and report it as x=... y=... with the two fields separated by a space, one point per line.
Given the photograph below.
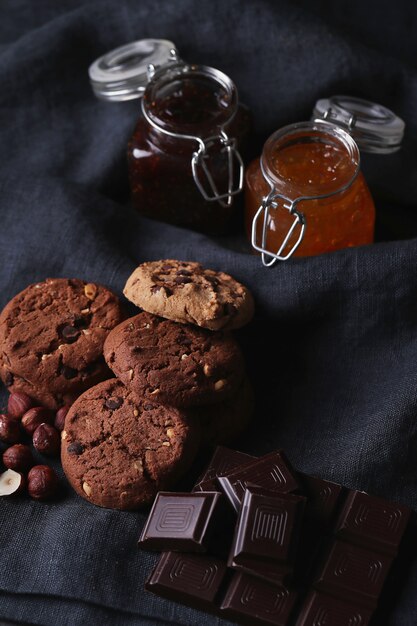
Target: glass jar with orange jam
x=306 y=194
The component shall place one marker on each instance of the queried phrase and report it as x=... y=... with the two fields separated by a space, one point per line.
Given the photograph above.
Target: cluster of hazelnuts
x=23 y=420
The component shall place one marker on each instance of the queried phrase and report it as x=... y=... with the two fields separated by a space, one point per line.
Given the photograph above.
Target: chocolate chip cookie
x=171 y=363
x=51 y=337
x=223 y=423
x=118 y=452
x=187 y=292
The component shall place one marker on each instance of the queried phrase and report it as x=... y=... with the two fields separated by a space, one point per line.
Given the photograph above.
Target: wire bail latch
x=200 y=167
x=268 y=202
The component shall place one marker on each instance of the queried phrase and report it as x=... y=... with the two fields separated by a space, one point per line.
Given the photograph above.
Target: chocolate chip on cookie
x=176 y=364
x=187 y=292
x=52 y=336
x=120 y=457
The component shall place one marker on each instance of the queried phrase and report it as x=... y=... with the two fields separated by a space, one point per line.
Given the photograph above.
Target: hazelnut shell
x=18 y=404
x=47 y=440
x=18 y=458
x=60 y=416
x=9 y=429
x=35 y=417
x=42 y=482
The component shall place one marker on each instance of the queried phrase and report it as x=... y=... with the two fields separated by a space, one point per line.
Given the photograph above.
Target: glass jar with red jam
x=183 y=157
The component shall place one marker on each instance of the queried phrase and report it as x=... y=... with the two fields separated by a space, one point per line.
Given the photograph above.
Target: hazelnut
x=42 y=482
x=60 y=416
x=18 y=458
x=18 y=404
x=219 y=384
x=11 y=482
x=34 y=418
x=47 y=440
x=9 y=429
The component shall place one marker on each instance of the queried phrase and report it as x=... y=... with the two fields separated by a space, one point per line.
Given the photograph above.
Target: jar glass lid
x=374 y=127
x=122 y=74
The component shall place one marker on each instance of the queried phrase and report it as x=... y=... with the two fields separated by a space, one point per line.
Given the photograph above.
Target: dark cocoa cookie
x=187 y=292
x=51 y=337
x=173 y=363
x=118 y=452
x=222 y=423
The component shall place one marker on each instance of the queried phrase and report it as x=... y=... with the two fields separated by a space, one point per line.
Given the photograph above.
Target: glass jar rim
x=177 y=71
x=307 y=128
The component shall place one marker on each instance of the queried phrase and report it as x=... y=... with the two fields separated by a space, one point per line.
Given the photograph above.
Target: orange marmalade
x=314 y=169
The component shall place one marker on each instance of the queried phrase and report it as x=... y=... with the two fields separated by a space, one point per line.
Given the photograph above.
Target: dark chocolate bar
x=272 y=471
x=182 y=521
x=345 y=542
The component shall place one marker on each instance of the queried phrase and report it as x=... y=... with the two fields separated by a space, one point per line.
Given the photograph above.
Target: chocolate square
x=223 y=461
x=322 y=609
x=267 y=529
x=252 y=601
x=353 y=572
x=181 y=521
x=372 y=522
x=191 y=578
x=272 y=471
x=323 y=498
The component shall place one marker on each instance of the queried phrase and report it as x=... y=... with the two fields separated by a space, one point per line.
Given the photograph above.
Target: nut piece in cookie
x=176 y=364
x=52 y=337
x=184 y=291
x=118 y=452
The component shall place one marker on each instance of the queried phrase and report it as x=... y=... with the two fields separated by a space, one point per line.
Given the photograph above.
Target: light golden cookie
x=187 y=292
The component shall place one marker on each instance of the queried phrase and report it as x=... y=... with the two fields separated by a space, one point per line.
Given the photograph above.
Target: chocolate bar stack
x=261 y=544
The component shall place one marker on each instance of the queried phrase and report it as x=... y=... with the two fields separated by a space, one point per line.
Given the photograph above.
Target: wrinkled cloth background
x=340 y=392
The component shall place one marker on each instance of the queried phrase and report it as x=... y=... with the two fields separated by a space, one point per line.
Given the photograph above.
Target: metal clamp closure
x=200 y=165
x=268 y=257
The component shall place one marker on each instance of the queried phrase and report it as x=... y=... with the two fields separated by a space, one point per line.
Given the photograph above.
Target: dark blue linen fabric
x=333 y=348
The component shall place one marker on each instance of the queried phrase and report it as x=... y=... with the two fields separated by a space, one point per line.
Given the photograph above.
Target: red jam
x=161 y=177
x=311 y=164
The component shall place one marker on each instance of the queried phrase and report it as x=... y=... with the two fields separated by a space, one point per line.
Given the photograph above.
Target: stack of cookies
x=180 y=382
